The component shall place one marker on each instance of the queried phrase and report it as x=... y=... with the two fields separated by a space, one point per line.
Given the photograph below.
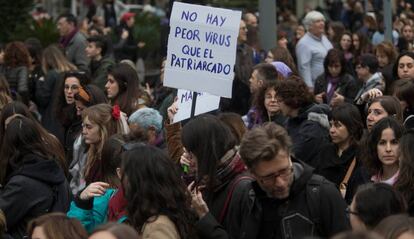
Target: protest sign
x=202 y=49
x=204 y=102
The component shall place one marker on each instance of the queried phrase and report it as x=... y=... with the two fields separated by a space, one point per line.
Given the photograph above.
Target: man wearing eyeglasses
x=287 y=200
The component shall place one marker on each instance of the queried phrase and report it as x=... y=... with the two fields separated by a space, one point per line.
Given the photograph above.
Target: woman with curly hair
x=381 y=151
x=17 y=64
x=308 y=123
x=158 y=201
x=265 y=107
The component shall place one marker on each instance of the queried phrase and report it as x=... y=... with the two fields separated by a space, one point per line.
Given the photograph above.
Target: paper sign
x=202 y=49
x=204 y=103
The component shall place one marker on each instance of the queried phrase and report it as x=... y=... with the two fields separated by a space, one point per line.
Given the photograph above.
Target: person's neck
x=317 y=35
x=388 y=171
x=342 y=147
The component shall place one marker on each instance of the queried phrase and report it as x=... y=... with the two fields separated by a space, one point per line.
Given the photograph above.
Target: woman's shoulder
x=160 y=227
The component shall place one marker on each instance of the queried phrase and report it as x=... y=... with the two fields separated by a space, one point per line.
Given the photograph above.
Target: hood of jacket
x=36 y=167
x=314 y=112
x=302 y=174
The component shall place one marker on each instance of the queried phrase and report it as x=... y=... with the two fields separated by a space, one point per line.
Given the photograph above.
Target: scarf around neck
x=65 y=40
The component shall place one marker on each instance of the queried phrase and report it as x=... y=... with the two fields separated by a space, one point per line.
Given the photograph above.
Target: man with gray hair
x=149 y=120
x=312 y=48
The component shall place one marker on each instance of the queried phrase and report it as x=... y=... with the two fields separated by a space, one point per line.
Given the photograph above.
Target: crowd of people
x=316 y=140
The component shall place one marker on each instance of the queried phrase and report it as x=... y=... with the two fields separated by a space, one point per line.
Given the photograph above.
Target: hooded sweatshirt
x=309 y=131
x=37 y=187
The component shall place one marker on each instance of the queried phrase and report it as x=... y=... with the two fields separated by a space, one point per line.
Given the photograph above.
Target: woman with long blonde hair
x=99 y=122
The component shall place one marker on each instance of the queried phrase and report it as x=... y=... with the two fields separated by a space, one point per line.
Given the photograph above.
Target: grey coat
x=75 y=52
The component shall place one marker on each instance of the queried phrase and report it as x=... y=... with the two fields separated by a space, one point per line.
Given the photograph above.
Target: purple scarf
x=334 y=83
x=64 y=41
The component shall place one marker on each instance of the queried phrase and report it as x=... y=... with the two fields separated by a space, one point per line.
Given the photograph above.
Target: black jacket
x=35 y=188
x=334 y=168
x=209 y=226
x=347 y=87
x=47 y=93
x=309 y=131
x=288 y=218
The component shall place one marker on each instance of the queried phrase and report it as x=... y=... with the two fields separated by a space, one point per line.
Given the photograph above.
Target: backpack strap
x=233 y=185
x=313 y=198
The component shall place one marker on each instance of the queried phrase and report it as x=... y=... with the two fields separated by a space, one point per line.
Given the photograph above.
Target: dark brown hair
x=294 y=93
x=16 y=54
x=235 y=123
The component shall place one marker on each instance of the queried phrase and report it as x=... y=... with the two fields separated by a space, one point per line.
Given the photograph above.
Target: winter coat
x=375 y=81
x=18 y=79
x=72 y=131
x=309 y=131
x=99 y=71
x=75 y=51
x=347 y=87
x=160 y=228
x=37 y=187
x=92 y=213
x=257 y=216
x=209 y=225
x=334 y=168
x=77 y=166
x=47 y=93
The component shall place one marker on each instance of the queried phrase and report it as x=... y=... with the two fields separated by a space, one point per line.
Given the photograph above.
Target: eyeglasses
x=284 y=173
x=349 y=211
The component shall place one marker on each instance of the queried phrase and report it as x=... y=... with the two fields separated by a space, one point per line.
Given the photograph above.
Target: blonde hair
x=53 y=58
